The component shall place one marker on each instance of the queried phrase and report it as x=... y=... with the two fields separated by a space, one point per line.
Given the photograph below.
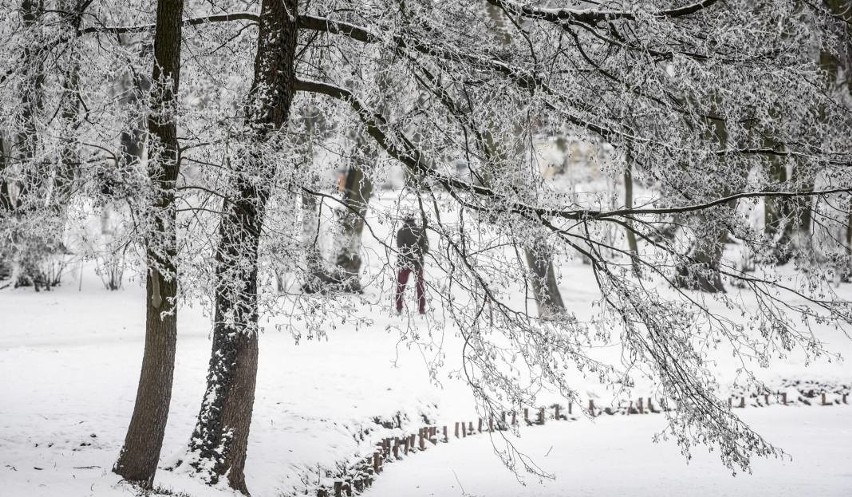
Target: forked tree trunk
x=138 y=459
x=543 y=280
x=220 y=438
x=701 y=270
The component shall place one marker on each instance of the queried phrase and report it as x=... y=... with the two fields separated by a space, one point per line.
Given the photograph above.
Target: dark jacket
x=412 y=243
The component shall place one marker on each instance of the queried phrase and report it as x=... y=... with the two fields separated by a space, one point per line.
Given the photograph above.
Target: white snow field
x=69 y=363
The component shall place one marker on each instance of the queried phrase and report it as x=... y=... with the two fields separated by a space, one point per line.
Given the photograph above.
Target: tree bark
x=220 y=438
x=315 y=274
x=538 y=255
x=777 y=218
x=31 y=188
x=137 y=461
x=701 y=272
x=28 y=249
x=6 y=204
x=6 y=207
x=356 y=198
x=632 y=245
x=69 y=155
x=543 y=279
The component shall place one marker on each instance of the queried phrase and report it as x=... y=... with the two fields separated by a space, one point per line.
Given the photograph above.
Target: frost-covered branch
x=557 y=15
x=195 y=21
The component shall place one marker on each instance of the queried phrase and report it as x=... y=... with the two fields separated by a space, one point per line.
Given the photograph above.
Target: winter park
x=425 y=248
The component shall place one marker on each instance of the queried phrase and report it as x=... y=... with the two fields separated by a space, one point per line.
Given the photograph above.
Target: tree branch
x=327 y=25
x=589 y=16
x=236 y=16
x=715 y=203
x=400 y=148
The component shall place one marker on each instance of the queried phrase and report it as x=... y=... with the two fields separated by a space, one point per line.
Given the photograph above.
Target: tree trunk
x=29 y=251
x=31 y=188
x=538 y=255
x=356 y=198
x=701 y=271
x=543 y=280
x=137 y=461
x=628 y=204
x=69 y=155
x=220 y=438
x=315 y=274
x=6 y=208
x=6 y=205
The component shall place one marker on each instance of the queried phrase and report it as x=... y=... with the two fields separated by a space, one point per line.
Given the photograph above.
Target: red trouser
x=402 y=279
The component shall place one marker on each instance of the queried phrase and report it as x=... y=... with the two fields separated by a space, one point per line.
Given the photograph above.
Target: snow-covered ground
x=70 y=362
x=70 y=359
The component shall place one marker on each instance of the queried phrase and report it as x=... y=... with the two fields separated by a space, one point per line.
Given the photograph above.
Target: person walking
x=412 y=244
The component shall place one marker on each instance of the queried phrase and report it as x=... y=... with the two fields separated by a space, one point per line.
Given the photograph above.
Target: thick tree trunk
x=221 y=434
x=787 y=220
x=700 y=269
x=538 y=255
x=29 y=251
x=31 y=189
x=6 y=205
x=137 y=461
x=777 y=216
